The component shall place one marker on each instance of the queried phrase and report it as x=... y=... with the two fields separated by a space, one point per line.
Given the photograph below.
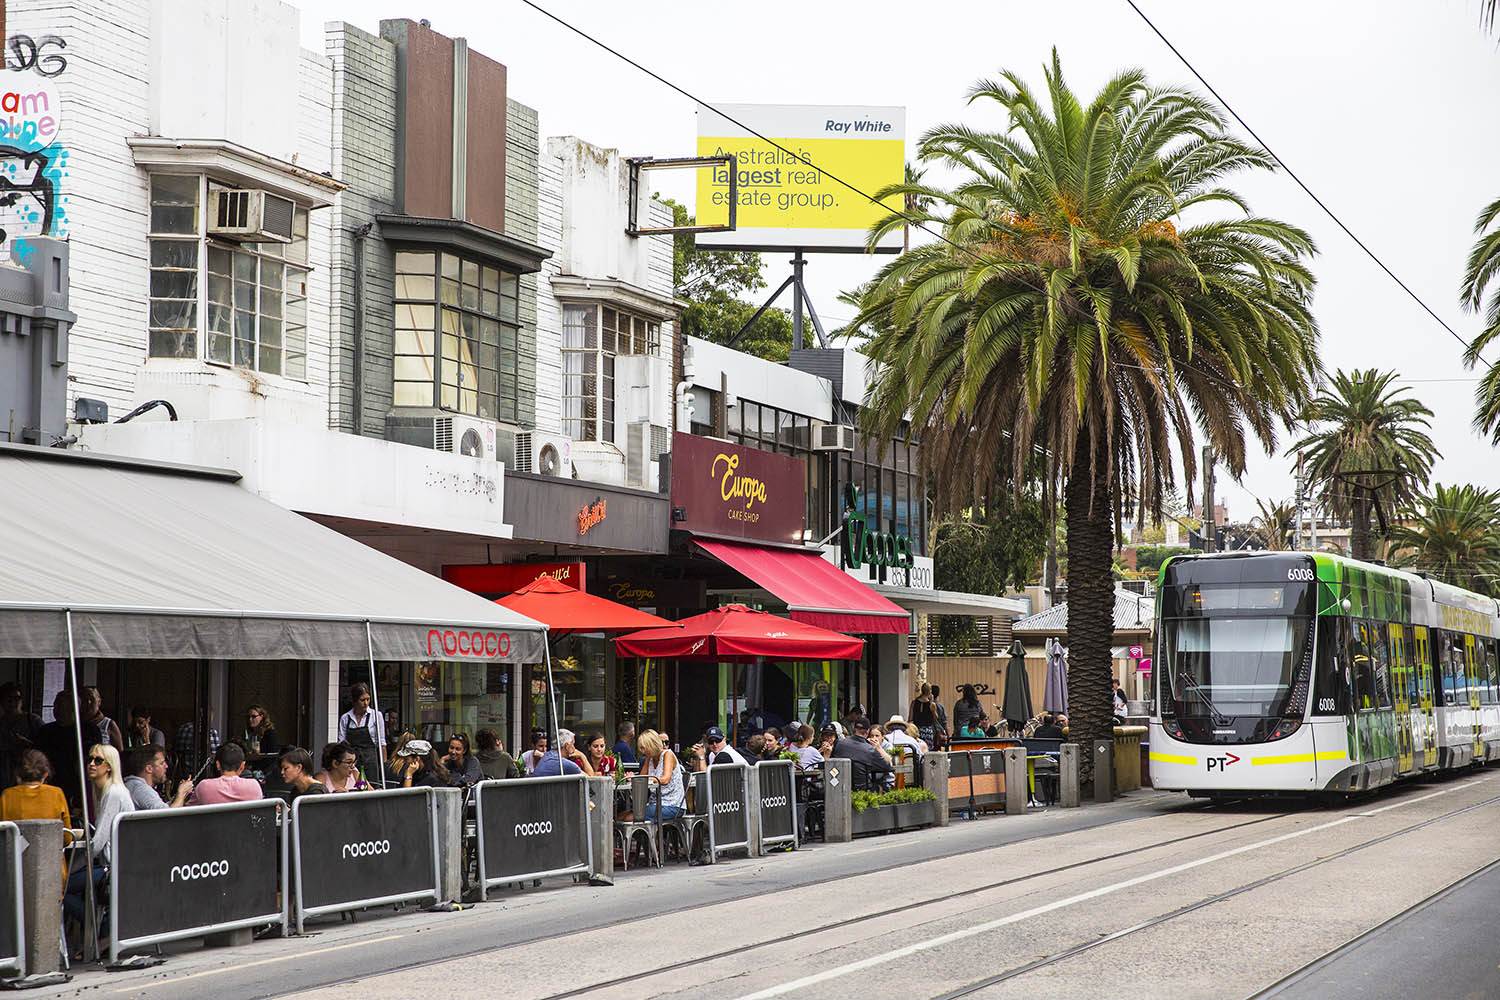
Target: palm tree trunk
x=1091 y=600
x=1359 y=527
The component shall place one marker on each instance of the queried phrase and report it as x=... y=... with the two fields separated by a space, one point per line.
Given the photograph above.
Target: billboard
x=786 y=200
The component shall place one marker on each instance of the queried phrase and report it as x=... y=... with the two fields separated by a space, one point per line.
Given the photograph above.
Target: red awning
x=735 y=632
x=815 y=591
x=565 y=609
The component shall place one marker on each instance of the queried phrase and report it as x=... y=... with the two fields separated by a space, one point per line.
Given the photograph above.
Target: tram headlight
x=1172 y=727
x=1286 y=727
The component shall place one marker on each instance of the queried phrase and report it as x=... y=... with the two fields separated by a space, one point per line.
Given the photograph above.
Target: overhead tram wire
x=1074 y=310
x=1293 y=175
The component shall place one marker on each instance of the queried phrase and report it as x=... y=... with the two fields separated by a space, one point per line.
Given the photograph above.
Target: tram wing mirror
x=1345 y=605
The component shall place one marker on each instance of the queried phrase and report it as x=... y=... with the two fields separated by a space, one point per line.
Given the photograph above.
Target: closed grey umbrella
x=1017 y=707
x=1055 y=693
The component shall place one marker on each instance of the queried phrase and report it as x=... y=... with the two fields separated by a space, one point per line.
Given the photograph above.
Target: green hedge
x=897 y=796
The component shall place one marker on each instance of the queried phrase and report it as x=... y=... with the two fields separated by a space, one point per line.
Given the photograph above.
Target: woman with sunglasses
x=260 y=731
x=110 y=799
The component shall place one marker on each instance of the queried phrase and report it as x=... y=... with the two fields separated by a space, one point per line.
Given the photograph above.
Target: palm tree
x=1071 y=327
x=1454 y=535
x=1484 y=264
x=1371 y=446
x=1276 y=523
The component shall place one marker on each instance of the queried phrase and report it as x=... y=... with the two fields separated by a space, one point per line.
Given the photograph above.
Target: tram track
x=490 y=948
x=1308 y=969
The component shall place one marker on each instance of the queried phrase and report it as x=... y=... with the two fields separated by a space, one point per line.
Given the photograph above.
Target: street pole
x=1210 y=528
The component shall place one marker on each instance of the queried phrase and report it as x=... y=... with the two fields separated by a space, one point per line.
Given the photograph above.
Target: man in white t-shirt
x=715 y=750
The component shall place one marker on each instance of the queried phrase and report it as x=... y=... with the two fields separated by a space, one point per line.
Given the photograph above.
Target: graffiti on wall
x=33 y=160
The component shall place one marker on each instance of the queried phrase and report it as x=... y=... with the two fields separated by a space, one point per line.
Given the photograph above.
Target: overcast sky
x=1385 y=109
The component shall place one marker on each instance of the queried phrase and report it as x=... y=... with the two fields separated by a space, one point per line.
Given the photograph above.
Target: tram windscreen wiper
x=1187 y=680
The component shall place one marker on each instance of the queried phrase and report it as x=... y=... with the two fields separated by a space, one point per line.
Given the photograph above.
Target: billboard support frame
x=636 y=164
x=800 y=298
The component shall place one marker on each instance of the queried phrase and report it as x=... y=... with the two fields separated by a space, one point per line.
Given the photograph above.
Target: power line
x=1293 y=175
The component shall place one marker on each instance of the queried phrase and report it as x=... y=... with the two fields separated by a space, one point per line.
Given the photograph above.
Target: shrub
x=897 y=796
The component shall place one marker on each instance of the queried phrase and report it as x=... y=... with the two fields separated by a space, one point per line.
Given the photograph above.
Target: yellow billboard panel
x=785 y=196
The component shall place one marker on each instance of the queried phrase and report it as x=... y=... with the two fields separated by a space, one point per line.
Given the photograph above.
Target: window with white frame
x=593 y=336
x=242 y=304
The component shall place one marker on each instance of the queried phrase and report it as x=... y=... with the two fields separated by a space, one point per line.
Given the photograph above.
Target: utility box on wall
x=34 y=327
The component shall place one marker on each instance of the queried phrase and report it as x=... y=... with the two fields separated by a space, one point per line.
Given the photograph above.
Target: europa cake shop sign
x=725 y=490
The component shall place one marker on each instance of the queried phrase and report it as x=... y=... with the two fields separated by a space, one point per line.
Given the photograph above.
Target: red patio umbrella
x=736 y=633
x=564 y=609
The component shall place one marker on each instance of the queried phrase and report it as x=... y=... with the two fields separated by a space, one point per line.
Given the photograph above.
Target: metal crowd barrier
x=12 y=944
x=532 y=828
x=976 y=779
x=778 y=802
x=182 y=873
x=369 y=849
x=728 y=808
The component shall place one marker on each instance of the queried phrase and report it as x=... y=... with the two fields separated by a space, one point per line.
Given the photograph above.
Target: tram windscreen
x=1231 y=667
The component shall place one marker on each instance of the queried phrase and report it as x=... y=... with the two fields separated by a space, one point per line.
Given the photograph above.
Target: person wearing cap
x=715 y=750
x=898 y=734
x=416 y=765
x=551 y=764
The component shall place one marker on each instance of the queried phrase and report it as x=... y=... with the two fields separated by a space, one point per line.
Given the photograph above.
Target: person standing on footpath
x=364 y=730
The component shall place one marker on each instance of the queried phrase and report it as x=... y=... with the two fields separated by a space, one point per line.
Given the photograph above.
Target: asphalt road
x=1144 y=896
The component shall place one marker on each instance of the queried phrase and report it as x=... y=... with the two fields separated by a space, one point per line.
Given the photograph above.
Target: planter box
x=885 y=819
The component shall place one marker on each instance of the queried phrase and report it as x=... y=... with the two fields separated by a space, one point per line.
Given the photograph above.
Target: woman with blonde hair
x=660 y=764
x=110 y=799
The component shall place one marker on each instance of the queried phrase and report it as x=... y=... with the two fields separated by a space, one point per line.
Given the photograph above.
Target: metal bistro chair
x=629 y=832
x=687 y=836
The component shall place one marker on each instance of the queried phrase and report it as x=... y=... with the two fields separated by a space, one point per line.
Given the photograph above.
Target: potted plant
x=893 y=810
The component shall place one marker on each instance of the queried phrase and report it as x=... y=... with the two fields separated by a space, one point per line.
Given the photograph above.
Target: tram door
x=1474 y=713
x=1422 y=668
x=1401 y=683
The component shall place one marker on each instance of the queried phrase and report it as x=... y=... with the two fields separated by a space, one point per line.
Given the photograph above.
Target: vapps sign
x=859 y=546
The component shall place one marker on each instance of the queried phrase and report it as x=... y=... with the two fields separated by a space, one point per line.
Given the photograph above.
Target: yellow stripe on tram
x=1300 y=758
x=1172 y=758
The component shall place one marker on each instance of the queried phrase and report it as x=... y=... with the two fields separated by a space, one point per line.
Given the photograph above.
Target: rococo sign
x=859 y=546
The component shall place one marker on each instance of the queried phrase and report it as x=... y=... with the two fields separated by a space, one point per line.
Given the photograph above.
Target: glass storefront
x=435 y=699
x=578 y=663
x=808 y=691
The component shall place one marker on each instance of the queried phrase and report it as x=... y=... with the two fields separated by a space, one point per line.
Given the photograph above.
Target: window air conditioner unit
x=544 y=455
x=833 y=437
x=463 y=435
x=251 y=216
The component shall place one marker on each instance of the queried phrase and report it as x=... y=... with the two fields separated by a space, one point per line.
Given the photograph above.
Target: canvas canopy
x=159 y=561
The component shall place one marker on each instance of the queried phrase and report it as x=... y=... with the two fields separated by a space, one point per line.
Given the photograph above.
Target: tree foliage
x=1368 y=444
x=1148 y=558
x=712 y=283
x=988 y=550
x=1453 y=534
x=1071 y=318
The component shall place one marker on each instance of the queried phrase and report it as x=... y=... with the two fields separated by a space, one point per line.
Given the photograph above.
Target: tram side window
x=1409 y=659
x=1363 y=658
x=1331 y=686
x=1491 y=692
x=1442 y=682
x=1378 y=635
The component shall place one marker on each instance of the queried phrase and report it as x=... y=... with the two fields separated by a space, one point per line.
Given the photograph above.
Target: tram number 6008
x=1302 y=574
x=1326 y=705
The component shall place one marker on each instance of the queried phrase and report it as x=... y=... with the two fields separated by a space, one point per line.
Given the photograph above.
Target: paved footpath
x=1148 y=894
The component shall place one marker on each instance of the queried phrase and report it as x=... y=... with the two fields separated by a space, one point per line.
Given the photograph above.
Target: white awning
x=952 y=602
x=160 y=561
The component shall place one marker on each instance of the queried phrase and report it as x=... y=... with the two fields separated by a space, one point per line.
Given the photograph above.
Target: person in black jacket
x=967 y=709
x=870 y=764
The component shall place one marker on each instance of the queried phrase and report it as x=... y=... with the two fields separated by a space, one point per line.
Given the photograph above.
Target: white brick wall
x=548 y=312
x=105 y=91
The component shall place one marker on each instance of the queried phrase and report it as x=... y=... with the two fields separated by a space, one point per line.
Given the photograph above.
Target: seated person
x=808 y=756
x=494 y=762
x=552 y=764
x=621 y=750
x=975 y=728
x=538 y=750
x=463 y=767
x=715 y=749
x=141 y=732
x=109 y=799
x=297 y=773
x=755 y=748
x=341 y=769
x=871 y=765
x=231 y=785
x=1049 y=729
x=898 y=734
x=31 y=797
x=773 y=738
x=659 y=764
x=145 y=770
x=416 y=765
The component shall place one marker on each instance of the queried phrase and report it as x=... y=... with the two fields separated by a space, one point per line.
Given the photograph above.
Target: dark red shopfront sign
x=494 y=581
x=730 y=491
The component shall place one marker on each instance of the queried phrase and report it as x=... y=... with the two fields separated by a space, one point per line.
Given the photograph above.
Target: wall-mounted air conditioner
x=544 y=454
x=645 y=443
x=461 y=435
x=833 y=437
x=251 y=216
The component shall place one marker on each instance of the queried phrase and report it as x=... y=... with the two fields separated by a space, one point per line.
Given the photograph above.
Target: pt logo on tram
x=1219 y=763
